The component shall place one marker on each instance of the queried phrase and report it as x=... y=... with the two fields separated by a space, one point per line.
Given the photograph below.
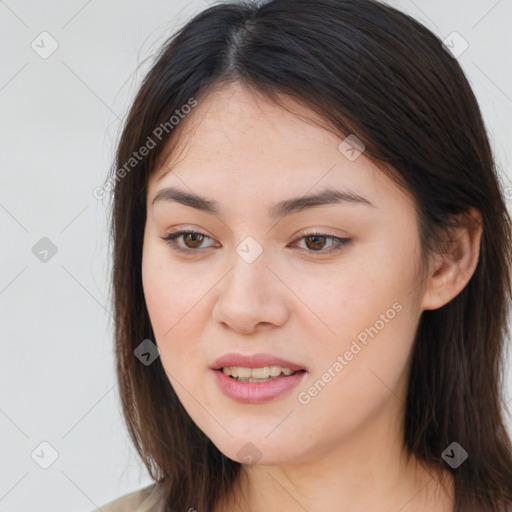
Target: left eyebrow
x=325 y=197
x=278 y=210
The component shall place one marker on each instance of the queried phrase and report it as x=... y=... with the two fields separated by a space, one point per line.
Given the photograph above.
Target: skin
x=343 y=449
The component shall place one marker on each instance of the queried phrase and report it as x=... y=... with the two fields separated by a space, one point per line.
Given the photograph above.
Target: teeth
x=256 y=373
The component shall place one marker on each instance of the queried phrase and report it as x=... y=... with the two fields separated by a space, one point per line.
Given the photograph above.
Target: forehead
x=232 y=120
x=235 y=141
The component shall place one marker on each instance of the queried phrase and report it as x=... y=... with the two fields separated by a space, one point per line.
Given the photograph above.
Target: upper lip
x=253 y=361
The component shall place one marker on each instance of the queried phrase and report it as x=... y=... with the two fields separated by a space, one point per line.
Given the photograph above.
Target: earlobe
x=451 y=271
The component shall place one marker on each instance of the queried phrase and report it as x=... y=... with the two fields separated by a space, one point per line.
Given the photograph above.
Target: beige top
x=136 y=501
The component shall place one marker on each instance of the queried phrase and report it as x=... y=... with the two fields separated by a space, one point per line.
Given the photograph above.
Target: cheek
x=173 y=304
x=342 y=303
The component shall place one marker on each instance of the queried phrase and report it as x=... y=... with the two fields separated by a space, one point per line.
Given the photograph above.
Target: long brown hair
x=368 y=70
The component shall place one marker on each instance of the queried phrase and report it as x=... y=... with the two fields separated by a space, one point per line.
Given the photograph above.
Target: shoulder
x=136 y=501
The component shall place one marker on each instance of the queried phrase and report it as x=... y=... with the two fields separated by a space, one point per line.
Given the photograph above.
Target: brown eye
x=317 y=242
x=193 y=240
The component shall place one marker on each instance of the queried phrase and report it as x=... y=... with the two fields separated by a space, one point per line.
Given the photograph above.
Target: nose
x=250 y=297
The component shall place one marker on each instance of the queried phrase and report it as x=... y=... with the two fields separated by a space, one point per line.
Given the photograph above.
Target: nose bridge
x=249 y=269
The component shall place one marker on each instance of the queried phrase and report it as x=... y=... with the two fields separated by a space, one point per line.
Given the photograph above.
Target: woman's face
x=257 y=280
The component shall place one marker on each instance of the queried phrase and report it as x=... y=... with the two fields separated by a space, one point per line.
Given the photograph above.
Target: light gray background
x=60 y=118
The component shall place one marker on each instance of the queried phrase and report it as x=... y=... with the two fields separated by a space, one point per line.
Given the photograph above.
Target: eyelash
x=340 y=242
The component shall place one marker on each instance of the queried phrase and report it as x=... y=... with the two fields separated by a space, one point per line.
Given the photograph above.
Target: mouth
x=258 y=378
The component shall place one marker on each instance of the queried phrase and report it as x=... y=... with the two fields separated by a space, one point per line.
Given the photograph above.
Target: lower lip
x=257 y=392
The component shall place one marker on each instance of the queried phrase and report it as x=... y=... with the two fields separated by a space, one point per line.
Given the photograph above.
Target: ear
x=451 y=271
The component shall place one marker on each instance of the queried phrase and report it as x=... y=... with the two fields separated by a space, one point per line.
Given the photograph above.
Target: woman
x=311 y=269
